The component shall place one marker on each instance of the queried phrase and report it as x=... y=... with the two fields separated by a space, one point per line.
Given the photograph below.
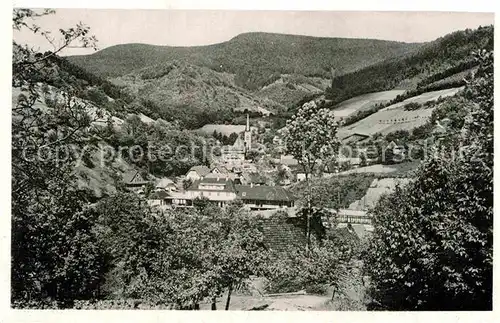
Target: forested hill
x=256 y=59
x=440 y=59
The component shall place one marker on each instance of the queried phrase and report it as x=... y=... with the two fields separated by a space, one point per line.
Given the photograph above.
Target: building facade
x=222 y=190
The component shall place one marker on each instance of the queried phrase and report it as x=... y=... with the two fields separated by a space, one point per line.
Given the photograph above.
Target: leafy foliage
x=160 y=147
x=310 y=135
x=432 y=247
x=325 y=263
x=335 y=192
x=55 y=258
x=179 y=257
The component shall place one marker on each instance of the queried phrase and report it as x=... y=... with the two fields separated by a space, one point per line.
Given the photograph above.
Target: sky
x=203 y=27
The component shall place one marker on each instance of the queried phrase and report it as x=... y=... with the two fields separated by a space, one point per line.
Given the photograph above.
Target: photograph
x=251 y=160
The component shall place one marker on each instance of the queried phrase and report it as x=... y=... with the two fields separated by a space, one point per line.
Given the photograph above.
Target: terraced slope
x=363 y=102
x=395 y=117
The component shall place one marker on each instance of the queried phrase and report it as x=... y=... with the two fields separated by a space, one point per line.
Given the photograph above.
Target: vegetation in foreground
x=431 y=249
x=433 y=243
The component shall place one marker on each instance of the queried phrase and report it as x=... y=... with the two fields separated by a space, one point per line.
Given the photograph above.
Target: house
x=220 y=169
x=353 y=216
x=296 y=170
x=398 y=153
x=231 y=176
x=233 y=156
x=265 y=197
x=134 y=181
x=165 y=184
x=197 y=172
x=223 y=190
x=220 y=190
x=264 y=112
x=164 y=199
x=158 y=198
x=252 y=178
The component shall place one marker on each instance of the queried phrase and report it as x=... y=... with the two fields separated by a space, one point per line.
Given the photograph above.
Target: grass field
x=377 y=188
x=363 y=102
x=395 y=117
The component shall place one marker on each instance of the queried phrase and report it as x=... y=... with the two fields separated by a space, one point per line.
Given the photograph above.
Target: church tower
x=248 y=136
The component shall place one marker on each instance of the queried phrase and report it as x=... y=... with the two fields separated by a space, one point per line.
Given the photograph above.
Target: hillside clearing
x=363 y=102
x=395 y=117
x=377 y=188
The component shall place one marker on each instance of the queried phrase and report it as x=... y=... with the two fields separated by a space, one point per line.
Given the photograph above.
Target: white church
x=234 y=155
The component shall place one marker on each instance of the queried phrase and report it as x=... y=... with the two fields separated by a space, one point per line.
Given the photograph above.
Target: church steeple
x=248 y=135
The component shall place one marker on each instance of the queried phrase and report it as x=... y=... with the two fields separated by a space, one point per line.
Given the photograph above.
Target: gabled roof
x=239 y=143
x=133 y=177
x=165 y=182
x=221 y=169
x=264 y=192
x=283 y=234
x=355 y=134
x=159 y=195
x=201 y=170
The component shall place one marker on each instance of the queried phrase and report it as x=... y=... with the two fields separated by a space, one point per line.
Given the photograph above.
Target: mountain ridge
x=278 y=53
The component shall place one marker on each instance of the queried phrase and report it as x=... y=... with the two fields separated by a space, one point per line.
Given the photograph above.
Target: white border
x=8 y=315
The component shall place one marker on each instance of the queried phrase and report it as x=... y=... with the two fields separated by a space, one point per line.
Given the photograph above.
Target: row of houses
x=217 y=185
x=221 y=190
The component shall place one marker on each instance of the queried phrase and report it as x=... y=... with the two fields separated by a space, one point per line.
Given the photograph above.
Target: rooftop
x=202 y=170
x=263 y=192
x=133 y=177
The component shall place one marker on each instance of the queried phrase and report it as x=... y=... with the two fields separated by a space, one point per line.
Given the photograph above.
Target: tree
x=180 y=257
x=363 y=161
x=326 y=262
x=432 y=247
x=186 y=183
x=281 y=175
x=55 y=259
x=310 y=136
x=237 y=252
x=253 y=155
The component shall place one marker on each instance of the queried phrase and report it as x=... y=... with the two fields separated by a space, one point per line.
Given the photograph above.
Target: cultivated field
x=395 y=117
x=363 y=102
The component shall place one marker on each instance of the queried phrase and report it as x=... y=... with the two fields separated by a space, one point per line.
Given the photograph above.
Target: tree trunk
x=214 y=304
x=333 y=294
x=230 y=289
x=309 y=211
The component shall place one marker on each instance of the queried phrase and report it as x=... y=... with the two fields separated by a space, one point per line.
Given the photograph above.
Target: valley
x=266 y=172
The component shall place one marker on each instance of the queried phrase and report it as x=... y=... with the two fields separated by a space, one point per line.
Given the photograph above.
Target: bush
x=318 y=289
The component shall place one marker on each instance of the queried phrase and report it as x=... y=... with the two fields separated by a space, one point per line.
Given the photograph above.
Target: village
x=264 y=170
x=236 y=177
